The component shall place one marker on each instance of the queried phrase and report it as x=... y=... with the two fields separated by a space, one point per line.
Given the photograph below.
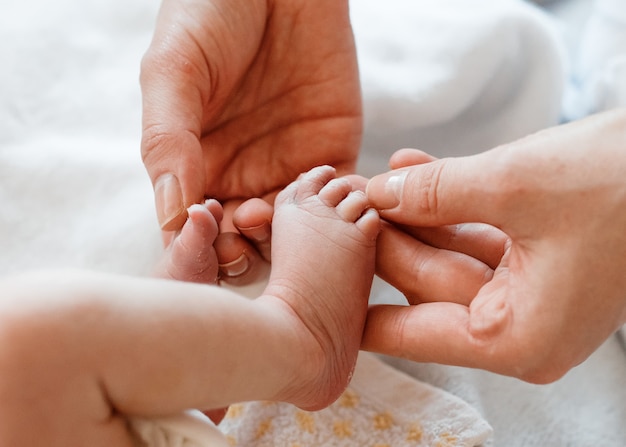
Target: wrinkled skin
x=558 y=290
x=241 y=97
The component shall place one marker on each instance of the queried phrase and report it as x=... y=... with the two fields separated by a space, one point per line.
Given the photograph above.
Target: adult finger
x=239 y=262
x=443 y=192
x=170 y=144
x=198 y=55
x=504 y=329
x=433 y=333
x=244 y=253
x=253 y=220
x=480 y=241
x=489 y=334
x=423 y=272
x=408 y=157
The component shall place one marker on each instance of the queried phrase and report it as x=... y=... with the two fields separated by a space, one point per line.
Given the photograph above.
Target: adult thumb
x=170 y=145
x=173 y=161
x=442 y=192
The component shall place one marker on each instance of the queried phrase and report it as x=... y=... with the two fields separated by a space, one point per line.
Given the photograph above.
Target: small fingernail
x=384 y=191
x=259 y=233
x=236 y=267
x=169 y=199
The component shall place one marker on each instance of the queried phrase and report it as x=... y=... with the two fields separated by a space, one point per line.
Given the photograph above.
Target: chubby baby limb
x=82 y=351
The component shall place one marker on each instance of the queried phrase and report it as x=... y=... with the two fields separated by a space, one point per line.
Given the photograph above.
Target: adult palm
x=239 y=97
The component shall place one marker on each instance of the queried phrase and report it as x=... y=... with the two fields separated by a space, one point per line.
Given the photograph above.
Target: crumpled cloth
x=380 y=407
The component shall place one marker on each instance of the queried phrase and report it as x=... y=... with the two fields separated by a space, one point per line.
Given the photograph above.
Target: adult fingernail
x=384 y=191
x=259 y=233
x=169 y=199
x=235 y=268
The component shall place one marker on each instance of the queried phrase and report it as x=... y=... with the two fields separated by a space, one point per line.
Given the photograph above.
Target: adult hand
x=238 y=99
x=241 y=97
x=425 y=258
x=559 y=288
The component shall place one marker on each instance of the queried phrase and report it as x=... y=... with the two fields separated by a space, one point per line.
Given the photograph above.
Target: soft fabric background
x=450 y=77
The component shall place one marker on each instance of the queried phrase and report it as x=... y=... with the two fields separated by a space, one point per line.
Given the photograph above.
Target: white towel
x=599 y=80
x=190 y=429
x=454 y=77
x=381 y=407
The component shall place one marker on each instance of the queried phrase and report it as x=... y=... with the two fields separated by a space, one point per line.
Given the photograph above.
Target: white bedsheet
x=450 y=77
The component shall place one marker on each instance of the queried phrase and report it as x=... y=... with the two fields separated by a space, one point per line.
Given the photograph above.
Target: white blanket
x=381 y=406
x=450 y=77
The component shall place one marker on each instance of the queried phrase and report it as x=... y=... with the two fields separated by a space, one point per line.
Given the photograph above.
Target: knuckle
x=428 y=187
x=161 y=59
x=534 y=355
x=162 y=144
x=401 y=329
x=178 y=67
x=417 y=264
x=153 y=138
